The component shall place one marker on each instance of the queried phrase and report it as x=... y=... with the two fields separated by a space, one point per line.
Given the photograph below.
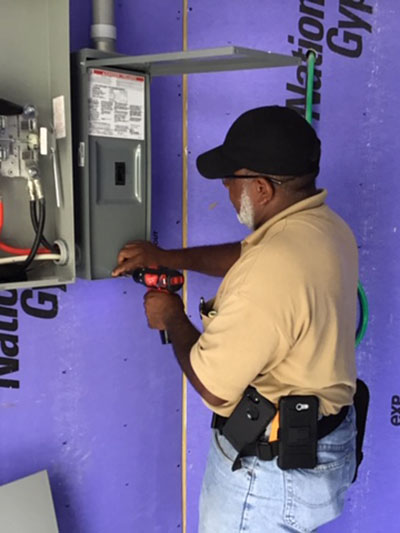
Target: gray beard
x=246 y=213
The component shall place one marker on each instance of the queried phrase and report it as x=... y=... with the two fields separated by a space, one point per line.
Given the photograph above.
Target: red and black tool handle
x=160 y=279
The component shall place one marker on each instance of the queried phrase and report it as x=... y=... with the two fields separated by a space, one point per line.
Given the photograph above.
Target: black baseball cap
x=270 y=140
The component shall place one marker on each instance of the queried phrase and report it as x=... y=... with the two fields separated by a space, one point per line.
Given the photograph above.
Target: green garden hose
x=362 y=297
x=311 y=57
x=364 y=314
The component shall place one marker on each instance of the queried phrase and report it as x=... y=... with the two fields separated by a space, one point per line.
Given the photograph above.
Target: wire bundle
x=17 y=265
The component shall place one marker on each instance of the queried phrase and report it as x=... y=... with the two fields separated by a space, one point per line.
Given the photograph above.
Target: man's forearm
x=183 y=336
x=212 y=260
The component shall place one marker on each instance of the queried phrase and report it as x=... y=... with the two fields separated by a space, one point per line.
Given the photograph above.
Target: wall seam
x=184 y=245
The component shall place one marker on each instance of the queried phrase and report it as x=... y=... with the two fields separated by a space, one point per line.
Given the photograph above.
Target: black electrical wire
x=35 y=224
x=38 y=235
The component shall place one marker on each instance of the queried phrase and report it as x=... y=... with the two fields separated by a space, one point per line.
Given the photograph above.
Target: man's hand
x=138 y=254
x=162 y=308
x=166 y=312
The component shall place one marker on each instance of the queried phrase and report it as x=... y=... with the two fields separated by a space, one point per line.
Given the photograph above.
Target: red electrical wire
x=12 y=249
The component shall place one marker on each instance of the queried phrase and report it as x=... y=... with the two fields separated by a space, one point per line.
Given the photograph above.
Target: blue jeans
x=262 y=498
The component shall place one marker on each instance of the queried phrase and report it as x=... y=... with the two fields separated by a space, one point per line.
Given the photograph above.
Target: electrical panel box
x=111 y=121
x=35 y=145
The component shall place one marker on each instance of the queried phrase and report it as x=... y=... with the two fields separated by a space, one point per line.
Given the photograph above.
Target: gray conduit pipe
x=103 y=30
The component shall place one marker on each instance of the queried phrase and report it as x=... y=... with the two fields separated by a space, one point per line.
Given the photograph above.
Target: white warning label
x=116 y=104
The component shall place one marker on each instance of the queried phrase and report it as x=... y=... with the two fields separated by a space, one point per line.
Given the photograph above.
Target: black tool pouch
x=298 y=432
x=361 y=403
x=248 y=421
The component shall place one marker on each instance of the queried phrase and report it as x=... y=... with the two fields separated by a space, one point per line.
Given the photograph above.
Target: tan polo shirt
x=284 y=317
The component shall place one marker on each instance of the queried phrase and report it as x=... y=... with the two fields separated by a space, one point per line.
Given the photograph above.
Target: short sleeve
x=242 y=341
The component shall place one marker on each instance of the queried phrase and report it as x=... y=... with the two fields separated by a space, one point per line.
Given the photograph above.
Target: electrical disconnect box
x=36 y=200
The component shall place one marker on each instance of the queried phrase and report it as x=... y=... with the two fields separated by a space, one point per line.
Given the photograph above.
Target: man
x=283 y=322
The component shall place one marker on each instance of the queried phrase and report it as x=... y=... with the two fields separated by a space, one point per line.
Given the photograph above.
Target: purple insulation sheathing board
x=97 y=398
x=356 y=105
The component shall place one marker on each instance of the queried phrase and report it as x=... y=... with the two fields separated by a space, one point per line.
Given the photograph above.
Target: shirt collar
x=309 y=203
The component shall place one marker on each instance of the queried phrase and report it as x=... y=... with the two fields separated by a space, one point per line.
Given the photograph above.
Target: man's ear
x=264 y=191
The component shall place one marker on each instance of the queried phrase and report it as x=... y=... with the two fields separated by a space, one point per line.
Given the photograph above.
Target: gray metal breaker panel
x=111 y=117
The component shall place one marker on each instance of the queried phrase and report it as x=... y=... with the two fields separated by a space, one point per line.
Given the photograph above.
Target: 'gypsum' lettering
x=346 y=38
x=395 y=413
x=39 y=304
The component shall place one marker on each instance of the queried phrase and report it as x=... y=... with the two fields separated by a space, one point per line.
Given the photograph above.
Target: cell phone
x=298 y=432
x=249 y=419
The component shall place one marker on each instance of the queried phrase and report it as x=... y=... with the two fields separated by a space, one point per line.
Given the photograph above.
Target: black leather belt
x=265 y=450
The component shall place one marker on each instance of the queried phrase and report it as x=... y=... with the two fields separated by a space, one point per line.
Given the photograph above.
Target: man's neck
x=279 y=204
